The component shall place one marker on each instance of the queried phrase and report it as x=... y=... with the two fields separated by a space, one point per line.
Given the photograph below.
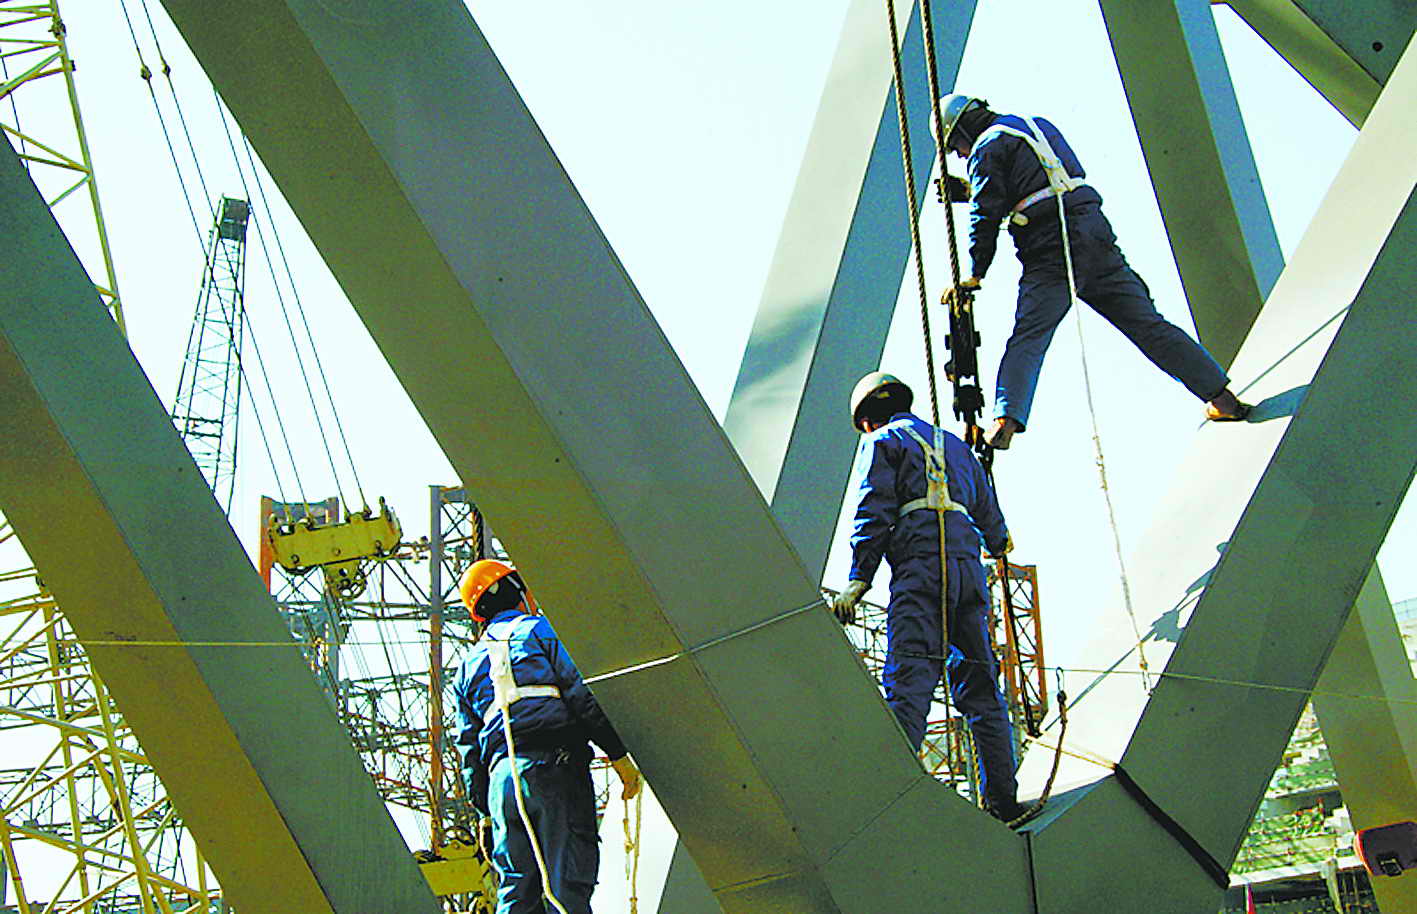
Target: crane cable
x=902 y=117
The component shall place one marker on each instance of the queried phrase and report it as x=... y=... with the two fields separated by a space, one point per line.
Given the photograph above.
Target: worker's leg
x=520 y=890
x=1042 y=302
x=1114 y=290
x=974 y=683
x=913 y=645
x=569 y=841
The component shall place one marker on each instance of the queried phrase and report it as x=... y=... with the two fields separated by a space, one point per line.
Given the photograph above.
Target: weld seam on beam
x=780 y=617
x=880 y=812
x=1209 y=864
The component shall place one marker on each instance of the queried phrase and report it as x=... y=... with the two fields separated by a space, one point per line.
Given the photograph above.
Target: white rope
x=1097 y=443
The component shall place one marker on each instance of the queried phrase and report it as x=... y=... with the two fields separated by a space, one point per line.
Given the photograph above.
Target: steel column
x=129 y=539
x=1201 y=165
x=831 y=291
x=437 y=203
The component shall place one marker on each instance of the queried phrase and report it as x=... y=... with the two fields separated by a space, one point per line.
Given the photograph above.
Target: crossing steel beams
x=440 y=204
x=437 y=203
x=128 y=537
x=829 y=296
x=1345 y=51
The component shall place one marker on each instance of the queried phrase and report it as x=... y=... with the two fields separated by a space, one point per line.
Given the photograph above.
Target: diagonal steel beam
x=831 y=291
x=1270 y=609
x=1345 y=50
x=437 y=204
x=1201 y=165
x=127 y=535
x=1357 y=732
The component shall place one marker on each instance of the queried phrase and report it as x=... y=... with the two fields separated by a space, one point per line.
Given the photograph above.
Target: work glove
x=1008 y=547
x=844 y=603
x=953 y=187
x=966 y=287
x=629 y=776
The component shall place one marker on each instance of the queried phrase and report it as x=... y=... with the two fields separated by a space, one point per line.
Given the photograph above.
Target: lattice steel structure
x=207 y=409
x=39 y=112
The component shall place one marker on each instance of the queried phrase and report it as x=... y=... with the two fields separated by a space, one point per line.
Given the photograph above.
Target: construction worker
x=1016 y=165
x=896 y=518
x=519 y=661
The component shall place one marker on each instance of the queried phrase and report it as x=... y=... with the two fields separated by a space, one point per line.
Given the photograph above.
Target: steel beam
x=436 y=202
x=1345 y=51
x=128 y=537
x=1363 y=732
x=831 y=291
x=1372 y=738
x=1201 y=165
x=1269 y=611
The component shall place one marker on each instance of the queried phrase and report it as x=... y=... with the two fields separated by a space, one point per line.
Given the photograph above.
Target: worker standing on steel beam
x=1017 y=169
x=524 y=718
x=896 y=518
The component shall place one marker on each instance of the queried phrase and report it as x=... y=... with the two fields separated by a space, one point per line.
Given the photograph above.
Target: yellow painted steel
x=459 y=868
x=339 y=550
x=32 y=36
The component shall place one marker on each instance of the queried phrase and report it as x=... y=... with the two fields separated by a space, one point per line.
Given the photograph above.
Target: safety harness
x=505 y=690
x=937 y=481
x=1059 y=181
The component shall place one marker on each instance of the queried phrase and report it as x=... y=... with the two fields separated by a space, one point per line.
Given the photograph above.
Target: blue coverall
x=889 y=472
x=1003 y=171
x=553 y=759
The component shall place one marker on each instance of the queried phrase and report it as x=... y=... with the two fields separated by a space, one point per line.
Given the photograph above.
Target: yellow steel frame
x=85 y=750
x=32 y=43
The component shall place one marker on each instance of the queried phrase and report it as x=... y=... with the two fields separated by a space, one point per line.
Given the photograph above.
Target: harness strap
x=505 y=690
x=936 y=479
x=1059 y=181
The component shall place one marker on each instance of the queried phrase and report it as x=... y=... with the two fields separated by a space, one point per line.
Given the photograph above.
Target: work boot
x=1013 y=813
x=1003 y=433
x=1226 y=407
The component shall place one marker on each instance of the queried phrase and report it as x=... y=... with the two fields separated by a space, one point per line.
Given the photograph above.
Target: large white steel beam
x=1201 y=165
x=436 y=202
x=1345 y=50
x=128 y=537
x=1267 y=613
x=831 y=290
x=1361 y=731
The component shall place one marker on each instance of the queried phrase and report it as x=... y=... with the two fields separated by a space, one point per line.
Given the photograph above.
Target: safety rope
x=1097 y=442
x=632 y=851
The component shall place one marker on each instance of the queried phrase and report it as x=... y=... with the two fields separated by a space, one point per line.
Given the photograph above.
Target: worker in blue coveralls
x=1017 y=165
x=520 y=664
x=896 y=518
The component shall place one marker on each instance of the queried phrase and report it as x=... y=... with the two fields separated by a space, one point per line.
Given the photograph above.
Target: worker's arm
x=989 y=202
x=575 y=694
x=873 y=477
x=474 y=773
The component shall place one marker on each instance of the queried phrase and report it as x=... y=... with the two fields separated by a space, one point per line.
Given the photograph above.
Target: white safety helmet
x=878 y=385
x=952 y=108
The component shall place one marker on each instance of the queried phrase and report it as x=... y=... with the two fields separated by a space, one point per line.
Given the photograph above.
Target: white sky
x=683 y=125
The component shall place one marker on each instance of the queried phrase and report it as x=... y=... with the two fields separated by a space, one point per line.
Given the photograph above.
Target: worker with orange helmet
x=525 y=720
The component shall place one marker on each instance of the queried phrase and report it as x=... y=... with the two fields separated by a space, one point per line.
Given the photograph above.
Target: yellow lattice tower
x=84 y=821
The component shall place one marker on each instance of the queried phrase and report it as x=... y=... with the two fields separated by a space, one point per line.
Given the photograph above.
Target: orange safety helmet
x=482 y=576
